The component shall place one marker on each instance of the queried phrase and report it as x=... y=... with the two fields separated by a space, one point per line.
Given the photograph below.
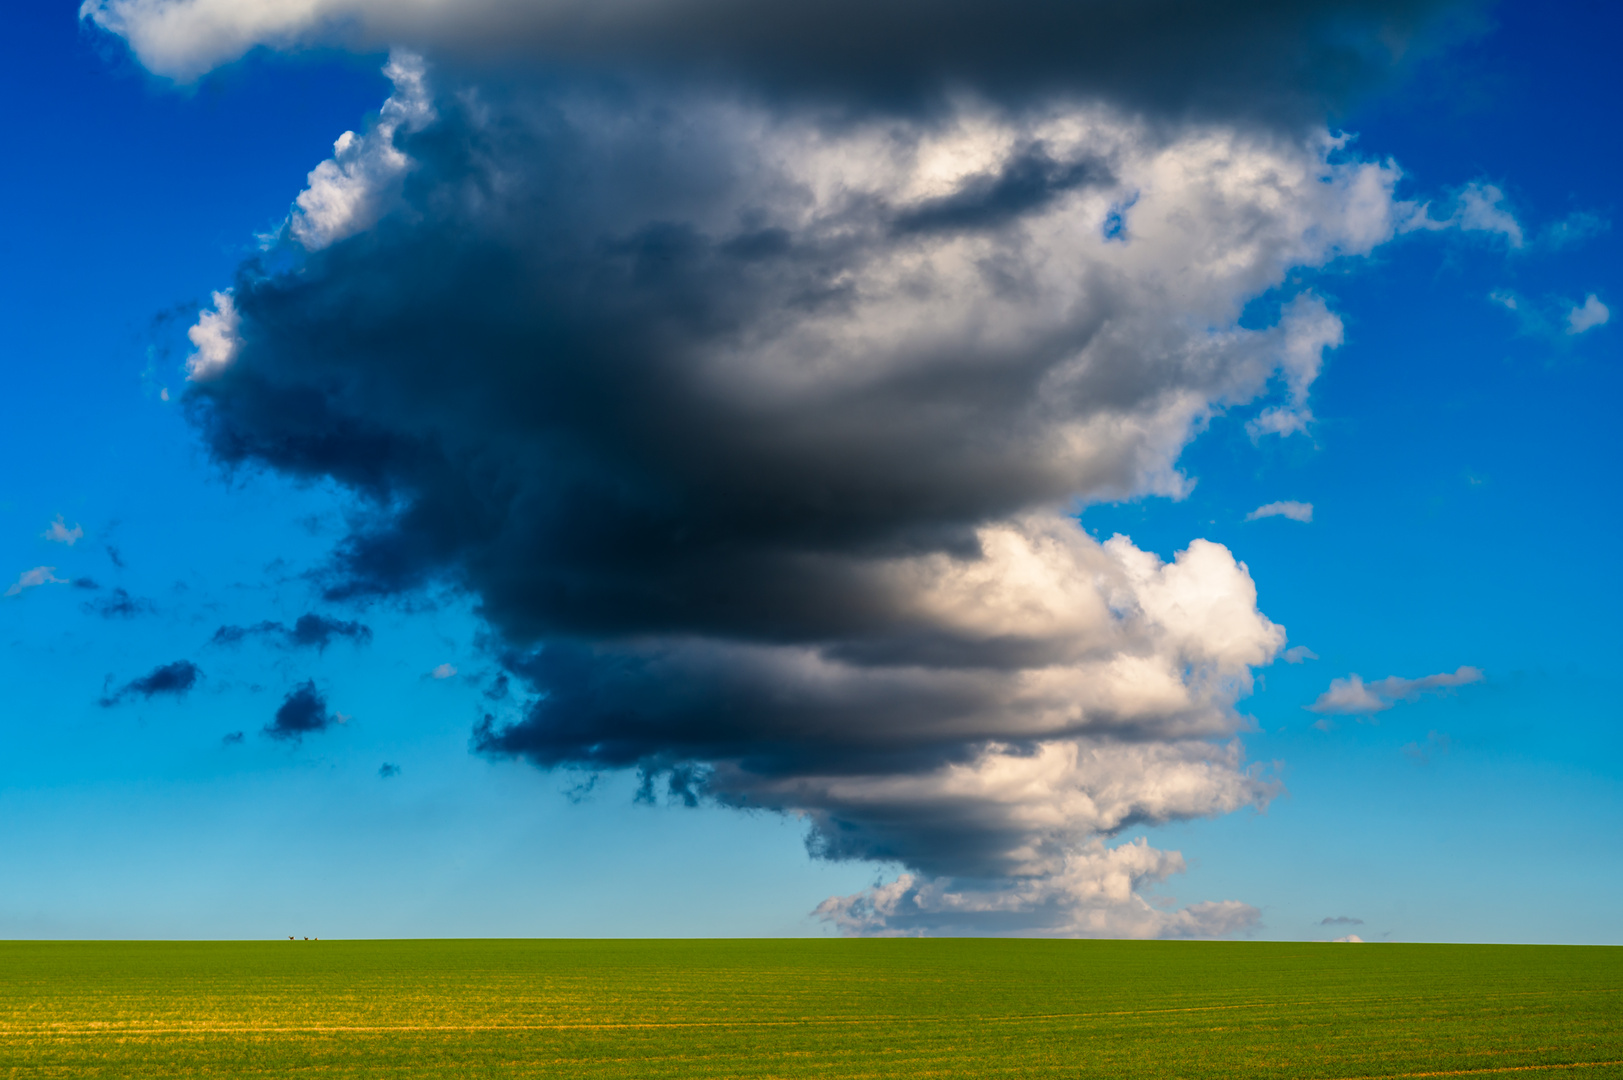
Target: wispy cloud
x=1553 y=317
x=59 y=532
x=1341 y=920
x=31 y=579
x=1476 y=207
x=309 y=631
x=1354 y=697
x=118 y=604
x=1296 y=511
x=1423 y=753
x=1296 y=654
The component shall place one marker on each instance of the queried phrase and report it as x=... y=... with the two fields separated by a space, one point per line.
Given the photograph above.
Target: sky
x=708 y=469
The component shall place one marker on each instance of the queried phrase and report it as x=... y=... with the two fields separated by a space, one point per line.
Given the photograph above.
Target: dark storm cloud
x=310 y=630
x=1272 y=57
x=168 y=679
x=302 y=712
x=752 y=401
x=720 y=445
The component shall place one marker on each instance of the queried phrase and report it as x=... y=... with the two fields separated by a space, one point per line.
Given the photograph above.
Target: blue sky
x=1458 y=462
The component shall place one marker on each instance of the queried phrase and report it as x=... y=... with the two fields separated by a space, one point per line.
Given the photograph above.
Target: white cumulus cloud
x=215 y=338
x=350 y=190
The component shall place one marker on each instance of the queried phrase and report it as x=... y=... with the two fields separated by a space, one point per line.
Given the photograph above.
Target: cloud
x=232 y=738
x=386 y=770
x=1341 y=920
x=756 y=422
x=61 y=534
x=1552 y=317
x=1353 y=697
x=1177 y=56
x=444 y=671
x=1435 y=746
x=1296 y=511
x=308 y=631
x=318 y=631
x=30 y=579
x=1476 y=207
x=1574 y=229
x=350 y=190
x=1097 y=892
x=303 y=712
x=1588 y=315
x=1353 y=939
x=1296 y=654
x=215 y=338
x=119 y=604
x=173 y=679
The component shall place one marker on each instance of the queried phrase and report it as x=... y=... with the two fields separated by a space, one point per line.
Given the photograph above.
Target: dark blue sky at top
x=1461 y=472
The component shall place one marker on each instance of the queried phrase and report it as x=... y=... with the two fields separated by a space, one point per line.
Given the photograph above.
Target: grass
x=798 y=1008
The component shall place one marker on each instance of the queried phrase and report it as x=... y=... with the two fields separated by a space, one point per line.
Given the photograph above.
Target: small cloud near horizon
x=1341 y=920
x=1295 y=511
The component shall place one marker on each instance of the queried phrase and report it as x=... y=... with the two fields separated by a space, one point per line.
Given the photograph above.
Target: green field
x=958 y=1008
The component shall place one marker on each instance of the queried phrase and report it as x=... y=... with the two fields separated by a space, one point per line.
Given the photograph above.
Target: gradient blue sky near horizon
x=1459 y=466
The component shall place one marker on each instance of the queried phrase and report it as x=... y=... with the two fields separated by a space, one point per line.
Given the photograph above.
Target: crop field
x=806 y=1008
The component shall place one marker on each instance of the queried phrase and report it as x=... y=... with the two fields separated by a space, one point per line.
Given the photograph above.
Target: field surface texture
x=818 y=1008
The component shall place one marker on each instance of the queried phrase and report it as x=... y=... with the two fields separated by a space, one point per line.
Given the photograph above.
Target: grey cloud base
x=756 y=430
